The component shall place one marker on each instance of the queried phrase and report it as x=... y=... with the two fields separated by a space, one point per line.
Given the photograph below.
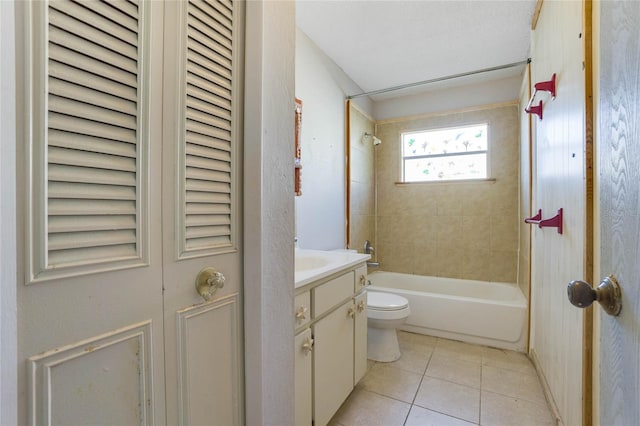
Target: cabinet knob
x=301 y=313
x=361 y=306
x=363 y=280
x=308 y=346
x=351 y=312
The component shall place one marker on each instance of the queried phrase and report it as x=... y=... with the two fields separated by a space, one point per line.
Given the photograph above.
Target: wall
x=362 y=220
x=440 y=97
x=557 y=340
x=269 y=215
x=457 y=230
x=8 y=280
x=322 y=87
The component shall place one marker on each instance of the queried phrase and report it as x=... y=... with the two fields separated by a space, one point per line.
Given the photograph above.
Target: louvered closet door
x=90 y=295
x=202 y=210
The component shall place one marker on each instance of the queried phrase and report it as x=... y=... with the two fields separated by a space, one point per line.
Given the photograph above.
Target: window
x=454 y=153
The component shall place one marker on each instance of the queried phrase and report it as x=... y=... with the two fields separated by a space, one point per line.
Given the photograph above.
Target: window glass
x=445 y=154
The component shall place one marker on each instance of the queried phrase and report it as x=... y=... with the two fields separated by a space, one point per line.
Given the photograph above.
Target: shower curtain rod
x=435 y=80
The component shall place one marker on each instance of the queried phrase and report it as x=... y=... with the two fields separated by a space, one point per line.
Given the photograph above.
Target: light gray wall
x=8 y=309
x=448 y=99
x=322 y=87
x=269 y=213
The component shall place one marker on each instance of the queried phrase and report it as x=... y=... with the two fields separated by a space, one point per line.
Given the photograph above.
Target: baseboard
x=545 y=388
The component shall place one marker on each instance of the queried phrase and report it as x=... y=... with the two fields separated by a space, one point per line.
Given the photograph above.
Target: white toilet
x=385 y=312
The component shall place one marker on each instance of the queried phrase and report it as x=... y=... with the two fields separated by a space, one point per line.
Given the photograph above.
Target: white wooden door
x=618 y=142
x=201 y=215
x=131 y=185
x=90 y=291
x=559 y=182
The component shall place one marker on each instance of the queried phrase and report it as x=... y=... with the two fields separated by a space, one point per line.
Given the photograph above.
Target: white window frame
x=403 y=158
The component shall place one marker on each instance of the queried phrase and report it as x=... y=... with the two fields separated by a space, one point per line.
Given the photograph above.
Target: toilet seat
x=380 y=301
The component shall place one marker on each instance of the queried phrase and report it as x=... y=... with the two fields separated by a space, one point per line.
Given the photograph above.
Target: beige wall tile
x=464 y=210
x=503 y=266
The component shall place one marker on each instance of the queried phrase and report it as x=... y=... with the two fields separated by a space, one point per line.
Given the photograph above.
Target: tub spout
x=373 y=264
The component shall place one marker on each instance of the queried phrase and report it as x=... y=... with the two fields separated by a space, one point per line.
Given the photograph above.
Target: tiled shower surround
x=465 y=230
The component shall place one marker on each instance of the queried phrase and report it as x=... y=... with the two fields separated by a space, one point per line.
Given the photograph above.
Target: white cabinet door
x=360 y=338
x=333 y=362
x=202 y=210
x=303 y=364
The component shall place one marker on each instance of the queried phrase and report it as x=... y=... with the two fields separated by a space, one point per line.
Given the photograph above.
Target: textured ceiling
x=381 y=44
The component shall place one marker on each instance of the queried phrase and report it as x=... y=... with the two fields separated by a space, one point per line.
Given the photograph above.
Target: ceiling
x=382 y=44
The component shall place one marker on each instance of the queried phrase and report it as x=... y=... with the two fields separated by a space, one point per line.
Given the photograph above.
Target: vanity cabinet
x=337 y=328
x=303 y=371
x=360 y=337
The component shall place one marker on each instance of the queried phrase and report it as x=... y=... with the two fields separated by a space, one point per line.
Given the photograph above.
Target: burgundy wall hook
x=554 y=222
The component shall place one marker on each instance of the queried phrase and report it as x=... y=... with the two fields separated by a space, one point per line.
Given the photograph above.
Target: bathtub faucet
x=373 y=264
x=368 y=248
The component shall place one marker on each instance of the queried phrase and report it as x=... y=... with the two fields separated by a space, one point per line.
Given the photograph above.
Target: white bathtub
x=486 y=313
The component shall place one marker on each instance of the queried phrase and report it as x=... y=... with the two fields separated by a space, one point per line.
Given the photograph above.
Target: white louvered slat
x=73 y=157
x=65 y=64
x=84 y=255
x=215 y=85
x=96 y=19
x=115 y=38
x=76 y=109
x=93 y=141
x=87 y=191
x=93 y=144
x=85 y=174
x=207 y=154
x=92 y=97
x=73 y=125
x=58 y=224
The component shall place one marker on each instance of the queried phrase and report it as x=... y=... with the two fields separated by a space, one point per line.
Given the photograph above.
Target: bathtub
x=486 y=313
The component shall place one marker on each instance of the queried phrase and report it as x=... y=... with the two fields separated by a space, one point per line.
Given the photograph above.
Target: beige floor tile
x=509 y=360
x=367 y=408
x=512 y=383
x=422 y=417
x=459 y=350
x=391 y=382
x=411 y=360
x=499 y=410
x=449 y=398
x=416 y=342
x=454 y=370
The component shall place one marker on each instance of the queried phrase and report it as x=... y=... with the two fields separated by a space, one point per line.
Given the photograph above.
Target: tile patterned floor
x=439 y=382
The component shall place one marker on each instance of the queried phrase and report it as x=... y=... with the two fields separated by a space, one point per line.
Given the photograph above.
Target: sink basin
x=305 y=263
x=312 y=265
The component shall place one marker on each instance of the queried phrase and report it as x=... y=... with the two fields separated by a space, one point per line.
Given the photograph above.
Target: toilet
x=385 y=313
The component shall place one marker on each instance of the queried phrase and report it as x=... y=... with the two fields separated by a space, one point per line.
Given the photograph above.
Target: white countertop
x=312 y=265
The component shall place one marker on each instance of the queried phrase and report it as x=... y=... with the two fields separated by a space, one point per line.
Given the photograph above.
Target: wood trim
x=587 y=346
x=529 y=229
x=536 y=14
x=347 y=144
x=533 y=356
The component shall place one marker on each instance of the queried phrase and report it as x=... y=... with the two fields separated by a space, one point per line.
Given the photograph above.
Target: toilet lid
x=385 y=301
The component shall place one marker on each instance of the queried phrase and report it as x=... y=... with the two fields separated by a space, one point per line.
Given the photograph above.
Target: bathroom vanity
x=331 y=331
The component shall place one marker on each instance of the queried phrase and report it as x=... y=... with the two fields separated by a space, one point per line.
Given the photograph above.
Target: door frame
x=8 y=253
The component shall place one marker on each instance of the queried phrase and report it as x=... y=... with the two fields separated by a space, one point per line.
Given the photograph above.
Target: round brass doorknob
x=208 y=282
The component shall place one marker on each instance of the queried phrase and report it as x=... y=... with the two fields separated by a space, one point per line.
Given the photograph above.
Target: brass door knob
x=208 y=282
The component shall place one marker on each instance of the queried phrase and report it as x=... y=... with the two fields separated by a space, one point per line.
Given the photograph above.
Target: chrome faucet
x=368 y=249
